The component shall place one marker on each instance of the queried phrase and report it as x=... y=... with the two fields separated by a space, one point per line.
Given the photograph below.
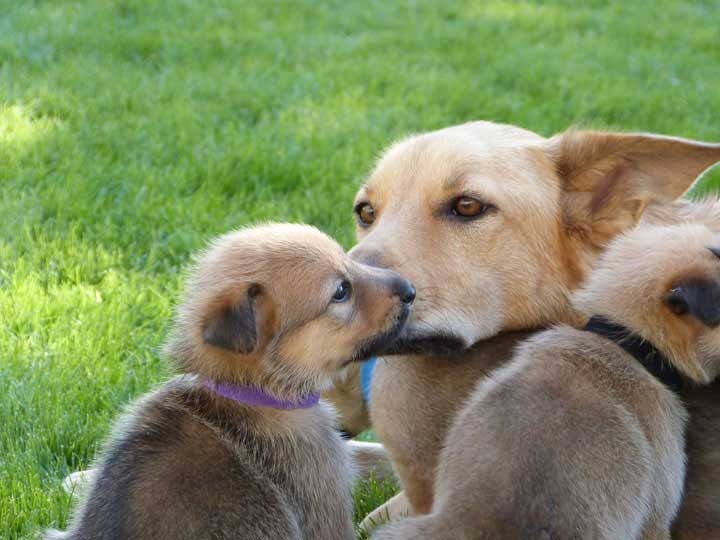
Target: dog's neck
x=256 y=397
x=652 y=359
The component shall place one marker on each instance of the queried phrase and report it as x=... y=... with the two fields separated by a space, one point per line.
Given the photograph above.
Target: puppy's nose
x=699 y=298
x=404 y=290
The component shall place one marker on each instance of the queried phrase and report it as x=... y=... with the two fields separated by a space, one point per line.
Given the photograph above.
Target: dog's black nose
x=405 y=291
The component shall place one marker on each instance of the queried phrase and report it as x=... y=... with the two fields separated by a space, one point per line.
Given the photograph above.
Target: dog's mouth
x=380 y=344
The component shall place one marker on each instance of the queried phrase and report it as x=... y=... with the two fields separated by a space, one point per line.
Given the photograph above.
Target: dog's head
x=496 y=225
x=663 y=282
x=282 y=306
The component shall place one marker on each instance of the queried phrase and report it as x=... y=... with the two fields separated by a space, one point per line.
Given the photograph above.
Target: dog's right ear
x=238 y=327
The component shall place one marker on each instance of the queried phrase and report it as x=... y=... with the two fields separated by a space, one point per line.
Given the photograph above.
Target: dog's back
x=554 y=447
x=184 y=467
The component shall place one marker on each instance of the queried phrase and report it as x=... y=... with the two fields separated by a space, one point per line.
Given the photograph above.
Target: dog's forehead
x=271 y=250
x=444 y=157
x=444 y=163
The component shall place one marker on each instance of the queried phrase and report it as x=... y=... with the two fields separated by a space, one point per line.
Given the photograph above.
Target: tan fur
x=574 y=438
x=558 y=202
x=189 y=463
x=346 y=396
x=699 y=515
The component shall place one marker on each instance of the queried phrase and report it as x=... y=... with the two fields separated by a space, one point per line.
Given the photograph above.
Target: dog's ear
x=608 y=179
x=240 y=327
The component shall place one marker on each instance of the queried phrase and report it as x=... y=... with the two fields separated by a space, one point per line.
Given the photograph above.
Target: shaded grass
x=133 y=130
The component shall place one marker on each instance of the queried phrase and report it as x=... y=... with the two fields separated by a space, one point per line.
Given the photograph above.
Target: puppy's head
x=496 y=225
x=283 y=307
x=663 y=282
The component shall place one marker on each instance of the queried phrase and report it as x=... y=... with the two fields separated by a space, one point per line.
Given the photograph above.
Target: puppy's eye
x=469 y=207
x=342 y=293
x=365 y=214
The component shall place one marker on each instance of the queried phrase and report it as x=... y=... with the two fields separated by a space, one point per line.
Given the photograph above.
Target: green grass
x=131 y=131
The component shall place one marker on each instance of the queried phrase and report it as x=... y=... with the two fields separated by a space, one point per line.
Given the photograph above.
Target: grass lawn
x=131 y=131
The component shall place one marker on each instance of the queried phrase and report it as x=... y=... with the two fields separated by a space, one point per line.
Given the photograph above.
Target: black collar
x=644 y=352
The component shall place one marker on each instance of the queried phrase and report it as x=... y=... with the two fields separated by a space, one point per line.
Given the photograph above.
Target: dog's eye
x=365 y=213
x=342 y=293
x=468 y=207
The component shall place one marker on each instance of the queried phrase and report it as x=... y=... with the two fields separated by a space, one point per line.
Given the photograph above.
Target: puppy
x=239 y=446
x=581 y=435
x=699 y=515
x=495 y=226
x=454 y=379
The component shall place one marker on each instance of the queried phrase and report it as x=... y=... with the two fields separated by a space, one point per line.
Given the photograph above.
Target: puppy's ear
x=609 y=178
x=699 y=298
x=239 y=327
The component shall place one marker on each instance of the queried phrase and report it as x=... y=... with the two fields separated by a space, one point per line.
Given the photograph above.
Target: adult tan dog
x=495 y=226
x=581 y=435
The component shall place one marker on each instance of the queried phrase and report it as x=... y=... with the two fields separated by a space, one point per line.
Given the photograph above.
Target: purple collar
x=259 y=398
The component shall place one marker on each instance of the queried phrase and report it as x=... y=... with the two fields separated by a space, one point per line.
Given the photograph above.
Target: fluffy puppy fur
x=575 y=438
x=279 y=308
x=495 y=226
x=699 y=515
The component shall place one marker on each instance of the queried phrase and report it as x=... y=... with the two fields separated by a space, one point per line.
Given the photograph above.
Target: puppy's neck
x=268 y=375
x=644 y=352
x=257 y=397
x=270 y=421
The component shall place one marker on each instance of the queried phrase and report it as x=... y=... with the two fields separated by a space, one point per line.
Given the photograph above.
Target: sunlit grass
x=132 y=130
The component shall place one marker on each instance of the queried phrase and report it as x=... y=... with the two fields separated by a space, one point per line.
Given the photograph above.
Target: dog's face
x=283 y=305
x=496 y=225
x=663 y=282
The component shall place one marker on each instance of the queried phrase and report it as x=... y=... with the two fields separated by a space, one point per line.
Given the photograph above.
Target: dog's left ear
x=608 y=179
x=242 y=326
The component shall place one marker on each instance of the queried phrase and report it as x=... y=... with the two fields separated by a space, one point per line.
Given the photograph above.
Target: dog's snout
x=368 y=257
x=404 y=290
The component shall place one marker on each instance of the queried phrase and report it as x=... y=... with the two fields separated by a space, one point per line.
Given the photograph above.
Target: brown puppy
x=581 y=435
x=495 y=225
x=239 y=446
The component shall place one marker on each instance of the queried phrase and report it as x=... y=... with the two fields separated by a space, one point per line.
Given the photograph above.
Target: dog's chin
x=381 y=344
x=435 y=344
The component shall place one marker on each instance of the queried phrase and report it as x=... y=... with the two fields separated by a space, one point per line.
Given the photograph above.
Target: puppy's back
x=170 y=473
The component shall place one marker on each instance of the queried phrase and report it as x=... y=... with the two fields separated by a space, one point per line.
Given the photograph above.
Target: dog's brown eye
x=342 y=293
x=365 y=213
x=468 y=207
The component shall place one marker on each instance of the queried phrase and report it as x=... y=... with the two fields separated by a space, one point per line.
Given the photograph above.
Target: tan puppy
x=581 y=435
x=239 y=446
x=699 y=516
x=496 y=226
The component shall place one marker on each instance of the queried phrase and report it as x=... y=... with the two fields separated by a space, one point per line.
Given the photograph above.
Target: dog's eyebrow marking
x=459 y=175
x=362 y=194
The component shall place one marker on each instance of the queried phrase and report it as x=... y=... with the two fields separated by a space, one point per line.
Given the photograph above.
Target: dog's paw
x=76 y=482
x=391 y=510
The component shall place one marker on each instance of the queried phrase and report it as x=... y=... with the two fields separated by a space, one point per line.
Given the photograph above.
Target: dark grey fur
x=187 y=464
